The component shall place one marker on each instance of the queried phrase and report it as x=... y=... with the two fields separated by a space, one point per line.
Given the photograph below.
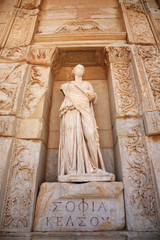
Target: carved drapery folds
x=138 y=27
x=150 y=56
x=20 y=193
x=126 y=99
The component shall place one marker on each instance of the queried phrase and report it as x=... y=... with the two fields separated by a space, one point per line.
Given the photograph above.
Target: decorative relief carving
x=42 y=55
x=126 y=97
x=30 y=4
x=22 y=29
x=10 y=83
x=140 y=27
x=139 y=175
x=17 y=210
x=145 y=95
x=70 y=58
x=35 y=88
x=118 y=52
x=7 y=125
x=16 y=53
x=151 y=60
x=134 y=6
x=138 y=23
x=79 y=26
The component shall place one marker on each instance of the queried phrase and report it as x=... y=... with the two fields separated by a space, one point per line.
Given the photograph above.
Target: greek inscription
x=92 y=206
x=82 y=224
x=83 y=206
x=69 y=222
x=55 y=205
x=102 y=207
x=94 y=221
x=48 y=221
x=70 y=206
x=59 y=222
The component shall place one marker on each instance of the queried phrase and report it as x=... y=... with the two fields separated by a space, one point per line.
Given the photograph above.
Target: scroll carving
x=151 y=60
x=16 y=53
x=139 y=176
x=7 y=125
x=118 y=52
x=22 y=29
x=79 y=26
x=126 y=98
x=35 y=88
x=19 y=199
x=30 y=4
x=139 y=25
x=10 y=83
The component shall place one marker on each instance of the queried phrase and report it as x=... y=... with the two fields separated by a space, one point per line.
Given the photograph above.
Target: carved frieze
x=35 y=88
x=10 y=84
x=80 y=26
x=7 y=125
x=151 y=60
x=19 y=197
x=5 y=148
x=23 y=27
x=16 y=53
x=141 y=194
x=118 y=53
x=152 y=122
x=42 y=55
x=125 y=91
x=30 y=4
x=137 y=24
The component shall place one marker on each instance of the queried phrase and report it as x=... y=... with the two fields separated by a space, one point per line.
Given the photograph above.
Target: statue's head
x=78 y=70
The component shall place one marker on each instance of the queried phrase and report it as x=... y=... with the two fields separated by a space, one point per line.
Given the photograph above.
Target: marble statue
x=80 y=157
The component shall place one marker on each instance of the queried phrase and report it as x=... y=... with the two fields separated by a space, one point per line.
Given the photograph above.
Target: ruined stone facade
x=118 y=42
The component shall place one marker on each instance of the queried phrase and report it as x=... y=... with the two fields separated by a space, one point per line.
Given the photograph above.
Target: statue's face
x=79 y=70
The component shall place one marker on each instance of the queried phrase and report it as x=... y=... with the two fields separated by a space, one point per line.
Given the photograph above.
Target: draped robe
x=79 y=150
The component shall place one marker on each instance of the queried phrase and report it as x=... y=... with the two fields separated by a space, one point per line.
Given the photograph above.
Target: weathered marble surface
x=80 y=207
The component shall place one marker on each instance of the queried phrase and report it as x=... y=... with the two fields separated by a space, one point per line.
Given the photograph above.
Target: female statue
x=79 y=158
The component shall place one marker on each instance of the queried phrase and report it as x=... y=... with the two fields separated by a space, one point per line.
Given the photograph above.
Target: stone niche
x=95 y=73
x=92 y=206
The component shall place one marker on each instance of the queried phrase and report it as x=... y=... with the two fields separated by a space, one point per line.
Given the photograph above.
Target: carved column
x=26 y=91
x=147 y=59
x=20 y=27
x=133 y=162
x=139 y=22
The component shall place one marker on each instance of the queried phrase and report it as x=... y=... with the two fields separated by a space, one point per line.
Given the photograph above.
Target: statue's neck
x=78 y=79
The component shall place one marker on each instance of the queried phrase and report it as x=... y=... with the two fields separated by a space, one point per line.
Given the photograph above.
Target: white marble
x=80 y=207
x=80 y=157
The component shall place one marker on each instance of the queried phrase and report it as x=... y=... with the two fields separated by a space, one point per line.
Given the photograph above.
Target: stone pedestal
x=94 y=206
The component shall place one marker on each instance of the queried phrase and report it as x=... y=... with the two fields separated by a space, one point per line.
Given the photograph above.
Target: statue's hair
x=73 y=71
